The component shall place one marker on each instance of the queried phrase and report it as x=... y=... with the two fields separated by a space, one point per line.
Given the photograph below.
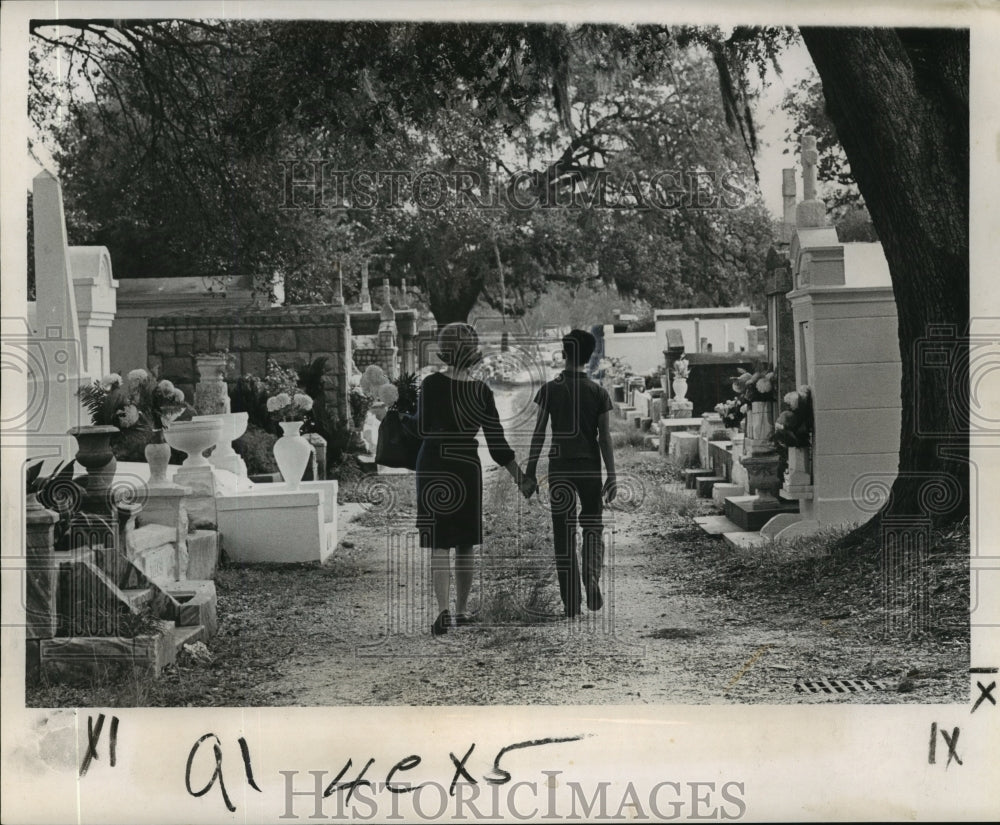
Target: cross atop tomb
x=811 y=211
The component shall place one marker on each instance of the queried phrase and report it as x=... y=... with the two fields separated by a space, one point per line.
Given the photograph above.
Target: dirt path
x=659 y=639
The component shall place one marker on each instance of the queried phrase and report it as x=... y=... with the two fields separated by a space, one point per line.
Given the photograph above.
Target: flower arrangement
x=732 y=412
x=794 y=426
x=138 y=402
x=289 y=406
x=285 y=400
x=682 y=368
x=360 y=403
x=754 y=386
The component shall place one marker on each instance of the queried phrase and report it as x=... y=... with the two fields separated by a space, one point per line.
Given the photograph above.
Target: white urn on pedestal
x=157 y=454
x=224 y=457
x=193 y=438
x=292 y=452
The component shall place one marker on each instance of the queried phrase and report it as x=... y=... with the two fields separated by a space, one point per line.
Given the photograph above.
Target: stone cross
x=810 y=157
x=811 y=211
x=788 y=194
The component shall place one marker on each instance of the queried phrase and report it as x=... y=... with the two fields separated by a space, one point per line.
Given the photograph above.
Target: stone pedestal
x=317 y=465
x=41 y=572
x=711 y=429
x=680 y=409
x=202 y=489
x=684 y=449
x=210 y=395
x=167 y=507
x=798 y=476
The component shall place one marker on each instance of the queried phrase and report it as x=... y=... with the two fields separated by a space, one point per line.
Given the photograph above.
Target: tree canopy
x=169 y=156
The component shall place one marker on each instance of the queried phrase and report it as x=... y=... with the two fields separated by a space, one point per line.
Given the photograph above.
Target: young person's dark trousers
x=572 y=482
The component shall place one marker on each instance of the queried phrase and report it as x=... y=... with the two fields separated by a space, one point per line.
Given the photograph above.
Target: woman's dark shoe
x=464 y=619
x=440 y=626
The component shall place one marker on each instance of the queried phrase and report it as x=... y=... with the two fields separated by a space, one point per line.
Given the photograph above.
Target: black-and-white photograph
x=488 y=361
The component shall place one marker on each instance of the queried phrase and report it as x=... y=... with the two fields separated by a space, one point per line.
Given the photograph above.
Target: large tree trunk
x=899 y=99
x=451 y=297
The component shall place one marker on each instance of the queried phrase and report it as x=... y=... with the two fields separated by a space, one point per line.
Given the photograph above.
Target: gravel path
x=660 y=639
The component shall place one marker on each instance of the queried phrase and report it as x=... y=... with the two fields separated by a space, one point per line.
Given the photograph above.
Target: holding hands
x=528 y=485
x=610 y=488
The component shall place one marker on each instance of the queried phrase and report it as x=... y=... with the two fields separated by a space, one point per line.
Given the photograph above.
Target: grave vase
x=291 y=452
x=96 y=457
x=157 y=457
x=680 y=389
x=760 y=427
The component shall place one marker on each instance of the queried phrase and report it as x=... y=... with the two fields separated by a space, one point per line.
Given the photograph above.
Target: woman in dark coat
x=451 y=410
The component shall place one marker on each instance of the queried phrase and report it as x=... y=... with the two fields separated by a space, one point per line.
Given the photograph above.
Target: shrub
x=256 y=447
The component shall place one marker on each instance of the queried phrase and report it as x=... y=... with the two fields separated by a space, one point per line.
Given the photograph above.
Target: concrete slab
x=749 y=515
x=716 y=525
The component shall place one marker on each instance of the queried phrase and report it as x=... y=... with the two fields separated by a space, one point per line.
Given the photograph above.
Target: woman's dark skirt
x=449 y=493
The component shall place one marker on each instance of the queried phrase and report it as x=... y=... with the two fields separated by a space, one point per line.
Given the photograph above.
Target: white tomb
x=271 y=523
x=847 y=351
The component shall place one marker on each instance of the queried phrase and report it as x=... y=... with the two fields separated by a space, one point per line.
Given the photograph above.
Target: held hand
x=610 y=489
x=528 y=486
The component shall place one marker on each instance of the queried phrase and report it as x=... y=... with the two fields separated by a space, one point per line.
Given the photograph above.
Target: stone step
x=691 y=476
x=720 y=492
x=181 y=636
x=716 y=525
x=139 y=598
x=747 y=512
x=705 y=484
x=741 y=540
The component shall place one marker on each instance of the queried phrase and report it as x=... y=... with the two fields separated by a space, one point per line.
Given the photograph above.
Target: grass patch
x=801 y=578
x=674 y=505
x=518 y=560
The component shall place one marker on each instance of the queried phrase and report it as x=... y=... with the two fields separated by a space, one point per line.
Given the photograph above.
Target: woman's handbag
x=397 y=445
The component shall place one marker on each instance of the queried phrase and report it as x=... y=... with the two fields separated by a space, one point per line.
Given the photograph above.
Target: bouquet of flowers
x=139 y=402
x=731 y=412
x=681 y=368
x=285 y=400
x=754 y=386
x=794 y=426
x=360 y=403
x=289 y=406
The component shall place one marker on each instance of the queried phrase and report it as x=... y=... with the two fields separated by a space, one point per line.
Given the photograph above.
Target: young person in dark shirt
x=578 y=410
